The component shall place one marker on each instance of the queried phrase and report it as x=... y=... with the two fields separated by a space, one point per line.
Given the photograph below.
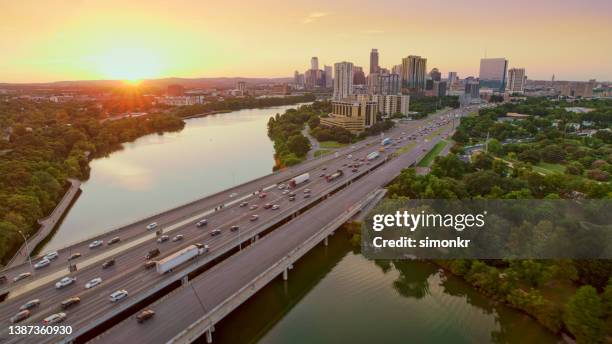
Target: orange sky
x=54 y=40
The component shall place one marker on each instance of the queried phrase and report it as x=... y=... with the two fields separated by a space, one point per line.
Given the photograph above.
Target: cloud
x=314 y=16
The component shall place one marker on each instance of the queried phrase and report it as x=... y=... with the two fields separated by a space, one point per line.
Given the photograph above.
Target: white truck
x=167 y=264
x=294 y=182
x=372 y=155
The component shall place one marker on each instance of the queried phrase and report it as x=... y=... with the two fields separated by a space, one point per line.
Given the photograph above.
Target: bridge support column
x=326 y=241
x=285 y=274
x=209 y=336
x=185 y=280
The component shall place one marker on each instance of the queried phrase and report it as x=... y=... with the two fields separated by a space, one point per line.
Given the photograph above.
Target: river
x=333 y=294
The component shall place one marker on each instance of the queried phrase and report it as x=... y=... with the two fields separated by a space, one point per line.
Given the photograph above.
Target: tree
x=494 y=146
x=298 y=144
x=583 y=315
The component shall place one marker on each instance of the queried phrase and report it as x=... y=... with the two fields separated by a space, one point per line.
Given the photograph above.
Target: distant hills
x=225 y=82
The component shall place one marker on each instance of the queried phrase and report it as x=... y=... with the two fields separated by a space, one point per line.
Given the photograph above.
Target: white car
x=286 y=192
x=118 y=295
x=21 y=276
x=51 y=255
x=54 y=318
x=96 y=243
x=233 y=194
x=281 y=186
x=42 y=263
x=94 y=282
x=64 y=282
x=152 y=225
x=275 y=207
x=163 y=238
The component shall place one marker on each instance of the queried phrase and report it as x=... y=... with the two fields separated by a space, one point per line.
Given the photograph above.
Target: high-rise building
x=435 y=74
x=413 y=72
x=329 y=77
x=359 y=77
x=374 y=61
x=343 y=80
x=384 y=83
x=314 y=63
x=397 y=69
x=439 y=88
x=392 y=104
x=175 y=90
x=472 y=88
x=241 y=86
x=314 y=78
x=493 y=73
x=452 y=77
x=516 y=80
x=354 y=115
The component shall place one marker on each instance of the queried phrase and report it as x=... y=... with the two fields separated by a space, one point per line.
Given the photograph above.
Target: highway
x=185 y=305
x=129 y=273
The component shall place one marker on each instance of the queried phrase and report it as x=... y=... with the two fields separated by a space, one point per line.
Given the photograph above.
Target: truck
x=302 y=178
x=372 y=156
x=167 y=264
x=334 y=175
x=386 y=141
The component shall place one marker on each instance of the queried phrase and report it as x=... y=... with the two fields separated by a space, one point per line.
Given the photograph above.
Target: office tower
x=516 y=80
x=452 y=77
x=493 y=73
x=343 y=80
x=296 y=77
x=392 y=104
x=397 y=69
x=435 y=74
x=314 y=63
x=359 y=77
x=175 y=90
x=413 y=72
x=241 y=86
x=374 y=61
x=472 y=88
x=329 y=77
x=314 y=78
x=439 y=88
x=384 y=83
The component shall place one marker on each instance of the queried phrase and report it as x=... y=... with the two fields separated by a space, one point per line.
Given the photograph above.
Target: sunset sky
x=54 y=40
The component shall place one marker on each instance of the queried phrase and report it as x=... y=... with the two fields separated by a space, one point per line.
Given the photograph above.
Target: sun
x=131 y=64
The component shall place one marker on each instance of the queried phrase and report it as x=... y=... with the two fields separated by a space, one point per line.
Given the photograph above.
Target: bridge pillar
x=326 y=241
x=209 y=336
x=185 y=280
x=285 y=274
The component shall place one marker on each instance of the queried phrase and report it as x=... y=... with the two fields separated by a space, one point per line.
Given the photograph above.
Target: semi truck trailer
x=302 y=178
x=180 y=257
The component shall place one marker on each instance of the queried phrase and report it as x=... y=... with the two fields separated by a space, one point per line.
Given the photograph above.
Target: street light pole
x=27 y=249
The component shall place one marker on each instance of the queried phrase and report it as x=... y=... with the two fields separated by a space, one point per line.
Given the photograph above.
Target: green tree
x=583 y=315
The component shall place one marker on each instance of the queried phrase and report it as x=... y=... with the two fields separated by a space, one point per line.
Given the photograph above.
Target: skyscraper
x=452 y=77
x=358 y=76
x=435 y=74
x=516 y=80
x=314 y=63
x=329 y=77
x=374 y=61
x=413 y=72
x=397 y=69
x=493 y=73
x=343 y=80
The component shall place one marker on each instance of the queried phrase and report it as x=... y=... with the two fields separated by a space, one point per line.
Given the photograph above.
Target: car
x=307 y=190
x=113 y=241
x=177 y=238
x=152 y=225
x=324 y=168
x=21 y=276
x=108 y=264
x=201 y=246
x=281 y=186
x=70 y=302
x=42 y=263
x=267 y=206
x=215 y=232
x=163 y=238
x=244 y=204
x=96 y=243
x=350 y=156
x=20 y=316
x=66 y=281
x=74 y=256
x=254 y=217
x=355 y=170
x=145 y=315
x=30 y=304
x=149 y=264
x=307 y=195
x=51 y=255
x=322 y=175
x=153 y=253
x=202 y=223
x=234 y=228
x=275 y=207
x=291 y=198
x=54 y=318
x=286 y=192
x=118 y=295
x=94 y=282
x=263 y=195
x=253 y=207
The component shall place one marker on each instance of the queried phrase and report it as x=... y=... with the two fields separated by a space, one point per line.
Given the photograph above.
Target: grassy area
x=404 y=149
x=332 y=144
x=322 y=152
x=432 y=154
x=548 y=168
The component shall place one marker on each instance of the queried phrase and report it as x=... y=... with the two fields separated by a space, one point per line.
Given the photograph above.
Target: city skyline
x=76 y=41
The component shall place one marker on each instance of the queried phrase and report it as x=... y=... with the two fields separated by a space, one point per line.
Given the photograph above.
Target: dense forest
x=42 y=144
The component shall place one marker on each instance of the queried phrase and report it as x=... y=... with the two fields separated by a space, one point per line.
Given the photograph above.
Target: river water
x=334 y=294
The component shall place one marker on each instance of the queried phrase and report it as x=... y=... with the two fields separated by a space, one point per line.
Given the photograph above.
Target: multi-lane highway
x=129 y=273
